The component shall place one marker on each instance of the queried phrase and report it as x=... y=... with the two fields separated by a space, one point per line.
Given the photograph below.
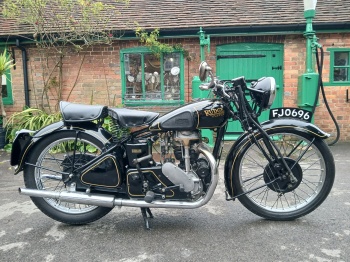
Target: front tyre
x=310 y=161
x=50 y=160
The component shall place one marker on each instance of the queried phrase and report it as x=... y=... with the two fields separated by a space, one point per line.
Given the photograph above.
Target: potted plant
x=5 y=64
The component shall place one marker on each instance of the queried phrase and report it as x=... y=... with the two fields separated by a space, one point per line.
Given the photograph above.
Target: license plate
x=289 y=112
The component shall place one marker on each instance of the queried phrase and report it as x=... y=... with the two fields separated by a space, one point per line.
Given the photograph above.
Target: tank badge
x=214 y=112
x=136 y=151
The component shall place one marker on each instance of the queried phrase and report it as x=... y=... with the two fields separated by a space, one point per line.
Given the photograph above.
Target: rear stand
x=144 y=211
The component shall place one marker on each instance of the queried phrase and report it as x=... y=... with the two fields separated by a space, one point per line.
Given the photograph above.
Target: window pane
x=152 y=77
x=172 y=76
x=341 y=74
x=133 y=76
x=341 y=58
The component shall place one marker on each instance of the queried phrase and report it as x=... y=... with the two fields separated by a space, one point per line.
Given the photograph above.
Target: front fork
x=275 y=160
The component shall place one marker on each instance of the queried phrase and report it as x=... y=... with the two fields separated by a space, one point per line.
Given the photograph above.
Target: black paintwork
x=154 y=177
x=105 y=173
x=203 y=114
x=295 y=124
x=24 y=141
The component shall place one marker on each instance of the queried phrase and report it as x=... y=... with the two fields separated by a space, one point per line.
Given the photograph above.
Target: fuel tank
x=207 y=114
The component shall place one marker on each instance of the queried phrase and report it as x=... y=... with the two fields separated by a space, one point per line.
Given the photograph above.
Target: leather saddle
x=73 y=113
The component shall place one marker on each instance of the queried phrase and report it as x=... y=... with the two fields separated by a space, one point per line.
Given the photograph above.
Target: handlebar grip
x=211 y=85
x=223 y=91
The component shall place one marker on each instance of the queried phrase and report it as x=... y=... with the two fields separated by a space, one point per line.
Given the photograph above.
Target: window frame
x=9 y=99
x=332 y=52
x=159 y=102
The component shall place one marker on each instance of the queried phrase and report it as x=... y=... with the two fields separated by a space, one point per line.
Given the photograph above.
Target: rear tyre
x=52 y=156
x=310 y=161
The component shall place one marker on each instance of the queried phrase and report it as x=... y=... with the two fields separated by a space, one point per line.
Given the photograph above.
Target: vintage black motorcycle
x=76 y=171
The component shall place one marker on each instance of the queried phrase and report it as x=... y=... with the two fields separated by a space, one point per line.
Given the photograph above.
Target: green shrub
x=30 y=118
x=35 y=119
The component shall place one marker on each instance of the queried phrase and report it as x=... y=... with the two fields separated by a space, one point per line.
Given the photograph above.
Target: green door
x=252 y=60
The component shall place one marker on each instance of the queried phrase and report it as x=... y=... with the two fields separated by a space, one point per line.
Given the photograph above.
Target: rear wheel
x=311 y=163
x=52 y=159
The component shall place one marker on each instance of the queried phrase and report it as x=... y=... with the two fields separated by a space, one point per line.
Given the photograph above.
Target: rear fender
x=274 y=124
x=24 y=142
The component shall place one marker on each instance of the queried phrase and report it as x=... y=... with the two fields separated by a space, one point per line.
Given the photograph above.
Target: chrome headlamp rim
x=264 y=92
x=272 y=92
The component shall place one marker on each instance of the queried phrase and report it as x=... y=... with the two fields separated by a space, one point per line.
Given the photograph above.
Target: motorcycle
x=76 y=171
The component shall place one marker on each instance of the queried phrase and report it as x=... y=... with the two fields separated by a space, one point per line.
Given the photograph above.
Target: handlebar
x=222 y=90
x=221 y=85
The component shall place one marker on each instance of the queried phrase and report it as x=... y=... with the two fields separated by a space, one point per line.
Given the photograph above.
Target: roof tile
x=182 y=14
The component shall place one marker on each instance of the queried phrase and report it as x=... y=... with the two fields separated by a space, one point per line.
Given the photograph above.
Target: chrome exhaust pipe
x=110 y=200
x=71 y=197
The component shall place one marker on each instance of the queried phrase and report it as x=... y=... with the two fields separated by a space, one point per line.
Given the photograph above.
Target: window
x=6 y=87
x=339 y=66
x=149 y=80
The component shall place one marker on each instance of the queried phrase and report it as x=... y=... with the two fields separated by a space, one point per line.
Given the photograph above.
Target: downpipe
x=110 y=200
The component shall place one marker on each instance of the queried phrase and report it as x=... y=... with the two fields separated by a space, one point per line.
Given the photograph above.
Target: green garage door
x=252 y=61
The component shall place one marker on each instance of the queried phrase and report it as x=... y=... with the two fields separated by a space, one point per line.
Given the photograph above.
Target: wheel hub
x=284 y=184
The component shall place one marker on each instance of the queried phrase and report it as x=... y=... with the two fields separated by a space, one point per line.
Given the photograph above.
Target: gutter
x=25 y=73
x=245 y=30
x=217 y=31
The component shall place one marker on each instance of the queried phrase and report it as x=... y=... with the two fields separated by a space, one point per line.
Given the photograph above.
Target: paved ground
x=219 y=231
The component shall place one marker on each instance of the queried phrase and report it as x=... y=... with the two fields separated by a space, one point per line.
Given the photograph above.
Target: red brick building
x=251 y=38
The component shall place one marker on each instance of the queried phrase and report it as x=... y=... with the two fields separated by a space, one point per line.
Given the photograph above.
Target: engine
x=179 y=171
x=185 y=166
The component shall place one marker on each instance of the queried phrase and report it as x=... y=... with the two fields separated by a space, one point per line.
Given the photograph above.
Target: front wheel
x=49 y=161
x=273 y=196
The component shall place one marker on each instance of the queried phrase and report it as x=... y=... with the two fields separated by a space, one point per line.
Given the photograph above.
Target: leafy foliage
x=57 y=23
x=109 y=125
x=157 y=47
x=60 y=27
x=5 y=62
x=30 y=118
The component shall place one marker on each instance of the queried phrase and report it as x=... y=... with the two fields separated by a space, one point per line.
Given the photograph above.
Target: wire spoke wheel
x=52 y=162
x=57 y=161
x=276 y=197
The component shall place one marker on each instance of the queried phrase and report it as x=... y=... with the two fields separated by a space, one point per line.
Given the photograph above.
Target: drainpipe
x=25 y=73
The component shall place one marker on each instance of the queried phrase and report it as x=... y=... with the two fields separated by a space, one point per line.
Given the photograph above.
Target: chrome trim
x=71 y=197
x=111 y=201
x=272 y=91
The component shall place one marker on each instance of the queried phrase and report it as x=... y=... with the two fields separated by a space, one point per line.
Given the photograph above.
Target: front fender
x=24 y=142
x=296 y=124
x=273 y=124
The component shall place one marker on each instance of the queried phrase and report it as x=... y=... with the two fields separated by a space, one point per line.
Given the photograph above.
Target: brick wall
x=336 y=95
x=99 y=78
